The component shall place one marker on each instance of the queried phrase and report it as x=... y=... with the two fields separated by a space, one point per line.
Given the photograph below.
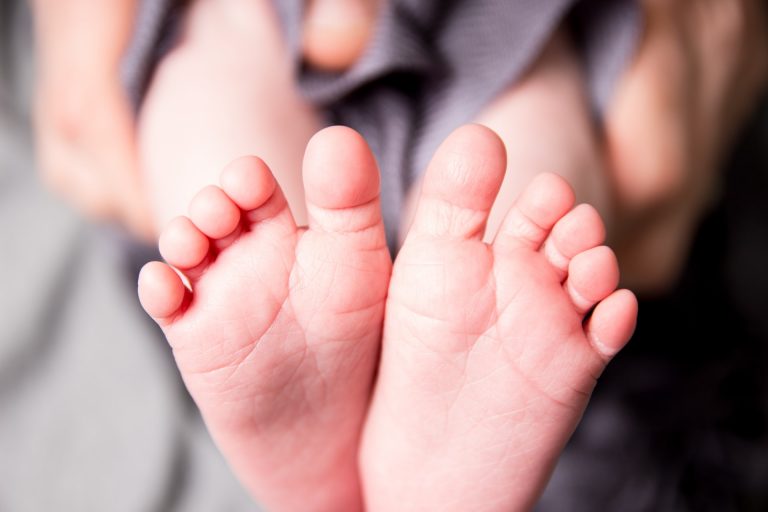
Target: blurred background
x=93 y=415
x=679 y=420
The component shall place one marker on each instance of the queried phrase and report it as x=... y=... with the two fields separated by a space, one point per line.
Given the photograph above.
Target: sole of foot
x=490 y=350
x=276 y=331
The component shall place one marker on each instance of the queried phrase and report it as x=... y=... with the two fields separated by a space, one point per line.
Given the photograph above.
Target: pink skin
x=259 y=338
x=278 y=338
x=490 y=351
x=211 y=101
x=335 y=33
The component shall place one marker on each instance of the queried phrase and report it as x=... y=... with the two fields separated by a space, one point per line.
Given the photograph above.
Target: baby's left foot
x=278 y=338
x=490 y=351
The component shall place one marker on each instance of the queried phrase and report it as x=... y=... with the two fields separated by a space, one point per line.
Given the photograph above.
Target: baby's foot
x=277 y=341
x=490 y=351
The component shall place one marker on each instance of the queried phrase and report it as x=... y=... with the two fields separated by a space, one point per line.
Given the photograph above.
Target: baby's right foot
x=278 y=339
x=490 y=351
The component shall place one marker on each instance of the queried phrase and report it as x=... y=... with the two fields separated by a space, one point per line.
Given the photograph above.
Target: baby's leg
x=225 y=90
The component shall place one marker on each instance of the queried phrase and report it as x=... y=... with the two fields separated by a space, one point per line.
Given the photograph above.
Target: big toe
x=342 y=184
x=460 y=184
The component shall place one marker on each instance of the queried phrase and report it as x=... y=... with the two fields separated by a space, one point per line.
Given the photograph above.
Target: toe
x=183 y=245
x=339 y=169
x=535 y=212
x=214 y=213
x=252 y=187
x=592 y=276
x=248 y=182
x=341 y=180
x=335 y=33
x=460 y=185
x=612 y=323
x=161 y=291
x=579 y=230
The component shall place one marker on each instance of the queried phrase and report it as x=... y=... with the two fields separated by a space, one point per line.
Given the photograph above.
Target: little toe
x=535 y=212
x=592 y=276
x=460 y=185
x=579 y=230
x=341 y=180
x=612 y=323
x=214 y=213
x=183 y=245
x=161 y=292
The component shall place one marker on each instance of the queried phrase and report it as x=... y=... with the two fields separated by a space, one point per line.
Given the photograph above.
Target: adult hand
x=84 y=125
x=697 y=76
